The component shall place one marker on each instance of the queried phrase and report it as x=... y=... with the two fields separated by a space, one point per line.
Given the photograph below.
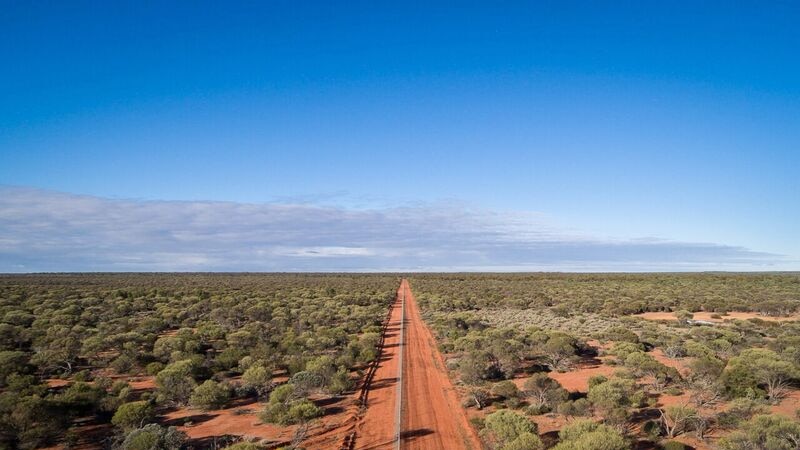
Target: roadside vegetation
x=565 y=360
x=101 y=360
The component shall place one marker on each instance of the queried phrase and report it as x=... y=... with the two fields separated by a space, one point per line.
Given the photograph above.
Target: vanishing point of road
x=411 y=402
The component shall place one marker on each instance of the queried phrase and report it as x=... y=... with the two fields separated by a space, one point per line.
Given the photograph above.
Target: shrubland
x=207 y=339
x=509 y=338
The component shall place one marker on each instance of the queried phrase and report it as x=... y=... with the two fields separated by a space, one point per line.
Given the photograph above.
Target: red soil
x=683 y=399
x=678 y=364
x=241 y=420
x=578 y=380
x=57 y=382
x=142 y=383
x=550 y=423
x=432 y=414
x=789 y=406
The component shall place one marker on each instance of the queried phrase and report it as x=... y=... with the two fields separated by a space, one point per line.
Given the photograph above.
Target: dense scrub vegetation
x=614 y=294
x=194 y=333
x=509 y=338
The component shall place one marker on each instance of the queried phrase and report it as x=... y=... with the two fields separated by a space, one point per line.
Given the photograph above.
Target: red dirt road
x=376 y=428
x=432 y=417
x=432 y=414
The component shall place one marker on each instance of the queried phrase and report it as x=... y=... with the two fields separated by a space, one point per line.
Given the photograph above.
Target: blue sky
x=523 y=136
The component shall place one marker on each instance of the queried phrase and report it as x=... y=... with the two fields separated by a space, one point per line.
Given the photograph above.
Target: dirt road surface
x=432 y=414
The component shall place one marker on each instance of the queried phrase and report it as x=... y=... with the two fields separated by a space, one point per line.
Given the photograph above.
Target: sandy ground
x=707 y=316
x=789 y=405
x=679 y=364
x=240 y=419
x=577 y=379
x=432 y=417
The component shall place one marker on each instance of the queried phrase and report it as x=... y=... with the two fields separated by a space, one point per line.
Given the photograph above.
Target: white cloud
x=324 y=252
x=52 y=231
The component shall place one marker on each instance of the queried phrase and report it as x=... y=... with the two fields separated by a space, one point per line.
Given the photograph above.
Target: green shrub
x=133 y=415
x=303 y=411
x=210 y=395
x=503 y=427
x=477 y=422
x=505 y=389
x=154 y=367
x=176 y=383
x=154 y=437
x=244 y=446
x=258 y=378
x=588 y=435
x=578 y=407
x=674 y=445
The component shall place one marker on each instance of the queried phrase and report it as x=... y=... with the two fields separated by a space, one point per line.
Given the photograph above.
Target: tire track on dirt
x=432 y=414
x=375 y=430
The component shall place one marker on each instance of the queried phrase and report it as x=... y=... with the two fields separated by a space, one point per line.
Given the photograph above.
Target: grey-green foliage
x=153 y=437
x=544 y=391
x=258 y=378
x=589 y=435
x=133 y=415
x=210 y=395
x=757 y=368
x=506 y=430
x=176 y=382
x=286 y=407
x=764 y=432
x=244 y=446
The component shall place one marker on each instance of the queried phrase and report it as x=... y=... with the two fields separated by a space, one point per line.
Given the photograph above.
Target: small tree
x=503 y=427
x=154 y=437
x=558 y=351
x=614 y=398
x=304 y=411
x=474 y=367
x=544 y=391
x=704 y=379
x=477 y=397
x=277 y=410
x=244 y=446
x=340 y=381
x=643 y=364
x=525 y=441
x=12 y=362
x=676 y=418
x=305 y=382
x=133 y=415
x=684 y=316
x=740 y=411
x=770 y=432
x=505 y=389
x=756 y=368
x=623 y=349
x=286 y=407
x=175 y=383
x=210 y=395
x=323 y=366
x=259 y=379
x=588 y=435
